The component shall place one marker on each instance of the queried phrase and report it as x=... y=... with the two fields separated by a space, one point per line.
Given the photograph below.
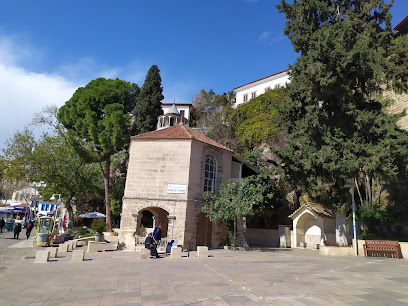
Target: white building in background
x=184 y=109
x=43 y=208
x=251 y=90
x=24 y=195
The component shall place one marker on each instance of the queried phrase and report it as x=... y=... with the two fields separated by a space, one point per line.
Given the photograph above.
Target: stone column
x=170 y=226
x=241 y=228
x=127 y=237
x=284 y=236
x=341 y=230
x=295 y=233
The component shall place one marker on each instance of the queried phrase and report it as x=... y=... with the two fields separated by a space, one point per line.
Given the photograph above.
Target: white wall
x=260 y=85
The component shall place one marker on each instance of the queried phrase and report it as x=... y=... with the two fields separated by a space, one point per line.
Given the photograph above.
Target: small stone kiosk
x=168 y=171
x=313 y=225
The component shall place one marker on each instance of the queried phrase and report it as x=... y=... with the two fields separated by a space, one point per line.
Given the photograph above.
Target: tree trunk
x=70 y=211
x=368 y=200
x=107 y=203
x=235 y=230
x=358 y=191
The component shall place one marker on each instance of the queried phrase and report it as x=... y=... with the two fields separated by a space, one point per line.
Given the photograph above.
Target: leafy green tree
x=148 y=107
x=60 y=169
x=2 y=179
x=260 y=120
x=118 y=180
x=16 y=155
x=211 y=114
x=98 y=120
x=201 y=101
x=337 y=129
x=206 y=105
x=15 y=163
x=240 y=199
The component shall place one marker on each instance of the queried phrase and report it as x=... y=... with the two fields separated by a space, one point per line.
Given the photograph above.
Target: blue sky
x=49 y=48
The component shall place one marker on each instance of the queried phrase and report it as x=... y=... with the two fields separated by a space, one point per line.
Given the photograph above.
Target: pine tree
x=98 y=120
x=148 y=107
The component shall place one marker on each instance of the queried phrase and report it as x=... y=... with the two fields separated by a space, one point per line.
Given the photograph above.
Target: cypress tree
x=337 y=126
x=148 y=107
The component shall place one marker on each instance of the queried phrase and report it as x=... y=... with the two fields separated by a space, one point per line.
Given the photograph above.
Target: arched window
x=209 y=174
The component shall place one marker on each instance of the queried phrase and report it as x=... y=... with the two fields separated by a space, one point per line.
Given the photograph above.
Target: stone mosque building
x=168 y=171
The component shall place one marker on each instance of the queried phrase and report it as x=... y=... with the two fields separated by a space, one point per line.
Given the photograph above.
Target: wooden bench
x=382 y=246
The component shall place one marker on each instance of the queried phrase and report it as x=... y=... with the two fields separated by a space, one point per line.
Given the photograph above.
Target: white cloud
x=267 y=38
x=86 y=69
x=264 y=36
x=23 y=92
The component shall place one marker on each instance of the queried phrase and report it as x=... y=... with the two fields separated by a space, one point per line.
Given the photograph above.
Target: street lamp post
x=351 y=186
x=53 y=198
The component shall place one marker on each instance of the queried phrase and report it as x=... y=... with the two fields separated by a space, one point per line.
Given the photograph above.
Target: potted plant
x=99 y=226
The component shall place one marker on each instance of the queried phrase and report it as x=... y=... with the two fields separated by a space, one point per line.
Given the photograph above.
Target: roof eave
x=261 y=79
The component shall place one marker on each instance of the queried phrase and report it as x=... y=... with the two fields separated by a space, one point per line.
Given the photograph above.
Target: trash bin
x=9 y=226
x=42 y=238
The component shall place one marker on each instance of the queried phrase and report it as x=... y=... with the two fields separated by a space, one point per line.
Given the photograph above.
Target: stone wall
x=399 y=104
x=155 y=164
x=262 y=237
x=349 y=251
x=176 y=217
x=199 y=152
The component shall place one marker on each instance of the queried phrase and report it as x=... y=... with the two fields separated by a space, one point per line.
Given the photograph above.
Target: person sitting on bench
x=151 y=245
x=169 y=245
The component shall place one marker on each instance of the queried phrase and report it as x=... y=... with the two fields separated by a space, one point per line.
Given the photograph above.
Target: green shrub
x=373 y=217
x=77 y=231
x=99 y=225
x=87 y=235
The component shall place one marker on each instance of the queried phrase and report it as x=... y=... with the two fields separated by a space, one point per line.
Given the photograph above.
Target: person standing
x=157 y=234
x=30 y=226
x=17 y=230
x=2 y=224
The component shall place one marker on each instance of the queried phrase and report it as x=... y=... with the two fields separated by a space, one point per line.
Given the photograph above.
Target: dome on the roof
x=173 y=110
x=171 y=118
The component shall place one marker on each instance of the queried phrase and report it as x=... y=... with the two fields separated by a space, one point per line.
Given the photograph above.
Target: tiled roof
x=402 y=22
x=316 y=208
x=179 y=131
x=177 y=104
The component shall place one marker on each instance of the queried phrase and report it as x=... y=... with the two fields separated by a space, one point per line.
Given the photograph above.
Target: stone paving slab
x=257 y=277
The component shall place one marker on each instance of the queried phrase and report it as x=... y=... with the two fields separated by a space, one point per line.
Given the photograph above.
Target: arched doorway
x=204 y=230
x=150 y=217
x=308 y=230
x=147 y=220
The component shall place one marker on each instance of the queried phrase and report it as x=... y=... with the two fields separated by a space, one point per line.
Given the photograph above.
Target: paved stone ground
x=8 y=254
x=257 y=277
